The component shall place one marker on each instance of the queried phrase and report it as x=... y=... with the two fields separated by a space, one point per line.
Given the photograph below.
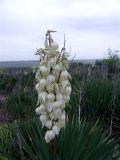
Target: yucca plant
x=77 y=141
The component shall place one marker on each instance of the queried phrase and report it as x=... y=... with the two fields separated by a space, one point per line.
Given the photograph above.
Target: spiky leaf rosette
x=53 y=87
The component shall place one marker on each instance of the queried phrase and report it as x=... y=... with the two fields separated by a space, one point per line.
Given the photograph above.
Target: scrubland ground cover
x=93 y=116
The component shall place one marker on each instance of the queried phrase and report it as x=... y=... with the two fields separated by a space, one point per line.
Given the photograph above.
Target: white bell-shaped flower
x=57 y=104
x=43 y=119
x=65 y=83
x=64 y=75
x=42 y=97
x=49 y=124
x=50 y=79
x=57 y=112
x=40 y=110
x=42 y=83
x=59 y=97
x=49 y=135
x=57 y=68
x=49 y=106
x=43 y=70
x=52 y=61
x=68 y=91
x=51 y=97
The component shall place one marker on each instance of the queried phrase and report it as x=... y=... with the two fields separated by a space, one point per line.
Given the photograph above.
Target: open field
x=95 y=99
x=27 y=64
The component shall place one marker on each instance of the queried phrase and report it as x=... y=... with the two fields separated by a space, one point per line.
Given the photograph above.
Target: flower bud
x=54 y=46
x=52 y=62
x=40 y=109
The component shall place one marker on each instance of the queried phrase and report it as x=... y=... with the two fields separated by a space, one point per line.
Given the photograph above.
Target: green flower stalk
x=53 y=87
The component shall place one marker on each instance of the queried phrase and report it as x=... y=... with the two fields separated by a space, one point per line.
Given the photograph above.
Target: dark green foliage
x=33 y=143
x=112 y=59
x=21 y=104
x=84 y=141
x=6 y=138
x=8 y=147
x=97 y=98
x=78 y=141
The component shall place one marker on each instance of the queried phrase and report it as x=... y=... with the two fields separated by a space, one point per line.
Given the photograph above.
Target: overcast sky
x=90 y=26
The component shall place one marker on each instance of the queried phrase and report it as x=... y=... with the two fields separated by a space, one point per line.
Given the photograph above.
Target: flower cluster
x=53 y=87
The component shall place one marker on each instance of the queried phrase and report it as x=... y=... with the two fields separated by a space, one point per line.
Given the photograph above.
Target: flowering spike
x=53 y=86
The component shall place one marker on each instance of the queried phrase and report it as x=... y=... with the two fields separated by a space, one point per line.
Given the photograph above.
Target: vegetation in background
x=21 y=104
x=113 y=58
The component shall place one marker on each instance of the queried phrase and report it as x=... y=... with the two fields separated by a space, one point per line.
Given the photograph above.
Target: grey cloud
x=104 y=25
x=20 y=36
